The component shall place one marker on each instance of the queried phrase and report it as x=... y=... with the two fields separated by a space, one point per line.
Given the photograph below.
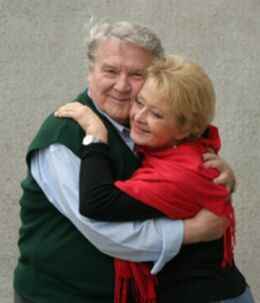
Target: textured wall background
x=42 y=65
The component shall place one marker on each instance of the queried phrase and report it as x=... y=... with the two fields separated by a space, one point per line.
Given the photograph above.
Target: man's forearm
x=205 y=226
x=151 y=240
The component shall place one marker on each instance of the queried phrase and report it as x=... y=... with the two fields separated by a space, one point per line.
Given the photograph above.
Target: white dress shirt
x=56 y=170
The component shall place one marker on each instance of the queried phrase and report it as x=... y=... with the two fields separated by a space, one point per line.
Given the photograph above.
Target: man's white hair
x=125 y=32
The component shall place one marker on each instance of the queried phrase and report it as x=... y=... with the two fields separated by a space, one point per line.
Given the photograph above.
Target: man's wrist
x=205 y=226
x=96 y=136
x=89 y=139
x=191 y=231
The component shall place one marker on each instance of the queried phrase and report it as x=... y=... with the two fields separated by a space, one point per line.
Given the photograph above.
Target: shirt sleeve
x=99 y=198
x=56 y=170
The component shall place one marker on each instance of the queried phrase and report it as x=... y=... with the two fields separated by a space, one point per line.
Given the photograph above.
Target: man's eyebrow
x=108 y=65
x=138 y=70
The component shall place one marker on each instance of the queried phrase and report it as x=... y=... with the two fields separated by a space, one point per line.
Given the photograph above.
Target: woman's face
x=153 y=122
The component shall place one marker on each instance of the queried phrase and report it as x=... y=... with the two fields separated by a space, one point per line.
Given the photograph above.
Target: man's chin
x=120 y=116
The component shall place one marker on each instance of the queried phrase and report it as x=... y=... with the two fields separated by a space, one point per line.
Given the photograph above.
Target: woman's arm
x=56 y=170
x=93 y=125
x=99 y=198
x=226 y=174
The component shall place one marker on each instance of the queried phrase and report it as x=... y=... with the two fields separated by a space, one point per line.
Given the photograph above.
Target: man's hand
x=205 y=226
x=226 y=176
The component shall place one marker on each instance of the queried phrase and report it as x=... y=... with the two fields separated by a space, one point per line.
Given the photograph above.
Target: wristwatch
x=88 y=139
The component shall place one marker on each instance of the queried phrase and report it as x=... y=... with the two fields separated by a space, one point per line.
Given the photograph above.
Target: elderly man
x=64 y=256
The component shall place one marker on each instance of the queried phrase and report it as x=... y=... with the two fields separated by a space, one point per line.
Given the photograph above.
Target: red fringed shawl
x=175 y=182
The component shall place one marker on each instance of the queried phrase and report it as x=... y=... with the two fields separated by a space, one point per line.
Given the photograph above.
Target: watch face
x=87 y=140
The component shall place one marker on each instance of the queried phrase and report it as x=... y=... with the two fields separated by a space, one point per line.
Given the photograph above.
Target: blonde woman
x=170 y=125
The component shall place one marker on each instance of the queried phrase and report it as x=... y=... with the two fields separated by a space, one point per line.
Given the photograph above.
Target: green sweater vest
x=57 y=264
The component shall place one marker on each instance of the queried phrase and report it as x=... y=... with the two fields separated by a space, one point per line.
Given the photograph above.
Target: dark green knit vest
x=57 y=264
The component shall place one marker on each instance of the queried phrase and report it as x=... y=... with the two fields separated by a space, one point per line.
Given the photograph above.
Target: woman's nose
x=140 y=116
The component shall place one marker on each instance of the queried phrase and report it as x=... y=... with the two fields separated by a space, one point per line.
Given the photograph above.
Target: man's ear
x=90 y=70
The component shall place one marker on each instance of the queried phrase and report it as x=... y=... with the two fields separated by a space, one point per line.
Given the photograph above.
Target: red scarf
x=175 y=182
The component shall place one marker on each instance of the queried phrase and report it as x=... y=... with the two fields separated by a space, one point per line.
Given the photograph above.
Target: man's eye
x=137 y=76
x=110 y=71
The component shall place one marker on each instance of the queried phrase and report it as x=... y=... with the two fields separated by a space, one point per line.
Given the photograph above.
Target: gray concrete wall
x=42 y=65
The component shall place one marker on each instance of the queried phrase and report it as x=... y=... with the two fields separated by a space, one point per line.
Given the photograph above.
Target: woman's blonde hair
x=186 y=85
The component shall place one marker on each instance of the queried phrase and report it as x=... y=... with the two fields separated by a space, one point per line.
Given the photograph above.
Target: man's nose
x=122 y=84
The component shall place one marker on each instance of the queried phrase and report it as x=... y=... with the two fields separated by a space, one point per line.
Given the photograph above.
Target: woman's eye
x=156 y=115
x=138 y=102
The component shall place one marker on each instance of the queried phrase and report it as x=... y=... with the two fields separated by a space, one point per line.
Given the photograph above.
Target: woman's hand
x=226 y=176
x=86 y=118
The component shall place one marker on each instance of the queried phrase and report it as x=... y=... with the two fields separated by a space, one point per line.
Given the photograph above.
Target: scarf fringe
x=140 y=298
x=121 y=290
x=229 y=235
x=138 y=277
x=143 y=283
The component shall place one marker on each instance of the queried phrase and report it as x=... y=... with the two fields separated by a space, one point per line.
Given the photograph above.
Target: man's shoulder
x=54 y=124
x=58 y=130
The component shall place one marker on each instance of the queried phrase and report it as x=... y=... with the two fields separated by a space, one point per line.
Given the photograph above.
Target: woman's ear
x=184 y=132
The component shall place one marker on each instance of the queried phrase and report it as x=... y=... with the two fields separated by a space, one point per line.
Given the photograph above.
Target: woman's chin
x=137 y=140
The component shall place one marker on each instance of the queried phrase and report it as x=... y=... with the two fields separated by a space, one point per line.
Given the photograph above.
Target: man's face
x=116 y=77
